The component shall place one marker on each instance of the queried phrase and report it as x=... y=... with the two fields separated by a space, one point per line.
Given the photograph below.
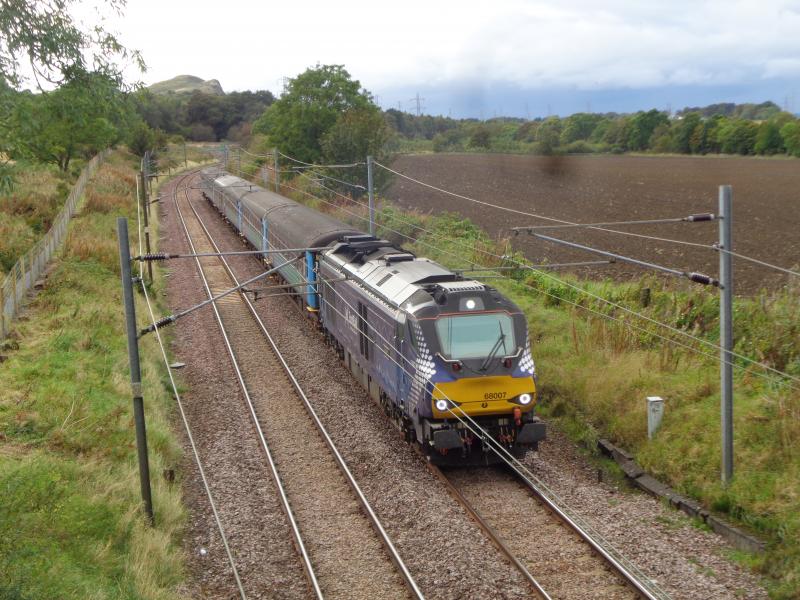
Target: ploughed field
x=584 y=189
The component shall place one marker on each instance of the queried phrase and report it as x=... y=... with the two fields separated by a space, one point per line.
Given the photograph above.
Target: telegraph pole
x=133 y=357
x=726 y=329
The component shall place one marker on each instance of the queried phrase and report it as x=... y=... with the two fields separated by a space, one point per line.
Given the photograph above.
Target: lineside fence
x=29 y=267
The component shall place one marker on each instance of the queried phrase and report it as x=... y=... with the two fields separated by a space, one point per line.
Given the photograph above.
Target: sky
x=484 y=59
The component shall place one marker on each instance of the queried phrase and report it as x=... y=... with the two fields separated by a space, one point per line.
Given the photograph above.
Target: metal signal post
x=726 y=329
x=136 y=375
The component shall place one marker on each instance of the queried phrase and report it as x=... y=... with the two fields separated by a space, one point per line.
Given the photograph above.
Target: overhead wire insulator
x=154 y=256
x=701 y=217
x=703 y=279
x=162 y=322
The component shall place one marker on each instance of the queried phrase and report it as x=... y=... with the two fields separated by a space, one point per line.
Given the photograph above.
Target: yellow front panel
x=484 y=395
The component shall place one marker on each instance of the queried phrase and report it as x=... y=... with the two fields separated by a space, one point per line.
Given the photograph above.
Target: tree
x=642 y=126
x=768 y=138
x=56 y=47
x=451 y=140
x=314 y=100
x=207 y=110
x=58 y=50
x=617 y=133
x=357 y=133
x=738 y=136
x=80 y=118
x=548 y=135
x=684 y=129
x=662 y=141
x=140 y=139
x=790 y=134
x=480 y=137
x=527 y=131
x=579 y=127
x=711 y=134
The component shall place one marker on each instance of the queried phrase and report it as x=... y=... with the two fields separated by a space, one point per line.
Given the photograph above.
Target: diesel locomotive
x=448 y=358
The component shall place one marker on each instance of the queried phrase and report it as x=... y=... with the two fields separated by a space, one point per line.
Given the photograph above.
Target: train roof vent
x=396 y=258
x=358 y=238
x=368 y=246
x=462 y=286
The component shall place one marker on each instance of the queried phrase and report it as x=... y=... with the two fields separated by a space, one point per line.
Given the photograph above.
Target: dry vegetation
x=70 y=521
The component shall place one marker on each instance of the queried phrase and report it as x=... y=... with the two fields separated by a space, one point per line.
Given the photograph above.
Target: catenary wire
x=558 y=280
x=595 y=225
x=318 y=166
x=547 y=275
x=579 y=289
x=537 y=216
x=759 y=262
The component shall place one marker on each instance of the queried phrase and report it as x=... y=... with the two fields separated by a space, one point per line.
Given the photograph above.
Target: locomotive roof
x=394 y=274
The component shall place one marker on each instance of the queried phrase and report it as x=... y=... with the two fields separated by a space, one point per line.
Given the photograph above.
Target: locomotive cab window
x=475 y=336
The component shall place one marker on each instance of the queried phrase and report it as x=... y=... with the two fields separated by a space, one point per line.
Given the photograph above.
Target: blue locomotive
x=449 y=359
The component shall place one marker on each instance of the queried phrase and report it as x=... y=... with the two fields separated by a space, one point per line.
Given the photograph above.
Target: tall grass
x=28 y=210
x=70 y=518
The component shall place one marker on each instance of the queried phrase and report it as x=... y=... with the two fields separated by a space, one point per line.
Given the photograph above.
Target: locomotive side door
x=402 y=364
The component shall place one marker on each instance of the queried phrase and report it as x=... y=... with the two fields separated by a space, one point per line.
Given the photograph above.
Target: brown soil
x=766 y=222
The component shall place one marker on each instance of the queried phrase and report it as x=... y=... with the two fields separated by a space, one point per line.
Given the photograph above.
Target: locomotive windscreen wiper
x=501 y=341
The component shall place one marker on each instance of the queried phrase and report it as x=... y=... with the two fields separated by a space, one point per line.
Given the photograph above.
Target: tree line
x=718 y=129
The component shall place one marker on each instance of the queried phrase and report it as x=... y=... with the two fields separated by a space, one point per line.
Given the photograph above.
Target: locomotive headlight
x=441 y=405
x=525 y=399
x=470 y=304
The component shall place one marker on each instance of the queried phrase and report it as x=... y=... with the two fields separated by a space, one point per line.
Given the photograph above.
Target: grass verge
x=70 y=519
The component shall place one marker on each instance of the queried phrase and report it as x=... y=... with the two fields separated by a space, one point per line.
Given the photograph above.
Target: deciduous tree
x=314 y=101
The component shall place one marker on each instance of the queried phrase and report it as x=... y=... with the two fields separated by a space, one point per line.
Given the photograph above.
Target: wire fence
x=26 y=271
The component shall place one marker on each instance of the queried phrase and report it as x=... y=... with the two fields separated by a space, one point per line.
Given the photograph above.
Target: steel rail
x=184 y=418
x=631 y=579
x=298 y=540
x=514 y=465
x=559 y=509
x=487 y=529
x=373 y=518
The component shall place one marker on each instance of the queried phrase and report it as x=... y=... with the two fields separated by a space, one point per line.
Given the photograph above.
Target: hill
x=186 y=84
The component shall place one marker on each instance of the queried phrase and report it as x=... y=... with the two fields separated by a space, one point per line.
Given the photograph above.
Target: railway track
x=344 y=548
x=571 y=566
x=576 y=566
